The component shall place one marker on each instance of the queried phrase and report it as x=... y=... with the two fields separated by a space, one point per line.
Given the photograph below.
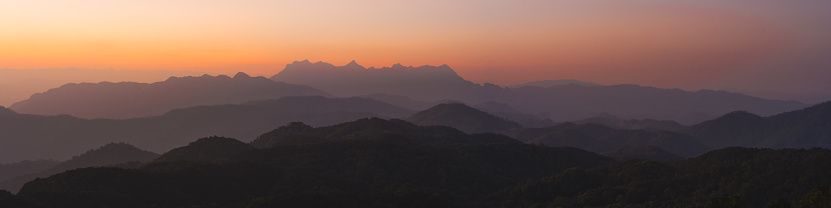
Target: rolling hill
x=31 y=137
x=805 y=128
x=462 y=117
x=107 y=155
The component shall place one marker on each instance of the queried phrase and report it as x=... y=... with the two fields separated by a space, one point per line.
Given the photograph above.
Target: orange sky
x=737 y=45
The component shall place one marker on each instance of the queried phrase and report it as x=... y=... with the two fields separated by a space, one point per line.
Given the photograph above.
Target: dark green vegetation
x=392 y=163
x=368 y=162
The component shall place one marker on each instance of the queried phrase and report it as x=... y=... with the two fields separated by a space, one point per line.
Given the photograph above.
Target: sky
x=773 y=49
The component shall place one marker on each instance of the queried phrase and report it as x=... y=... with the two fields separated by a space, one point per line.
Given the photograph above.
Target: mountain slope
x=363 y=163
x=598 y=138
x=649 y=124
x=31 y=137
x=506 y=111
x=462 y=117
x=805 y=128
x=206 y=150
x=107 y=155
x=9 y=171
x=133 y=100
x=375 y=129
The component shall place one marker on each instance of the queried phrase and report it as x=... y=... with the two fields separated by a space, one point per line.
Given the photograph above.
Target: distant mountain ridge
x=559 y=102
x=552 y=83
x=649 y=124
x=133 y=100
x=427 y=83
x=59 y=137
x=206 y=149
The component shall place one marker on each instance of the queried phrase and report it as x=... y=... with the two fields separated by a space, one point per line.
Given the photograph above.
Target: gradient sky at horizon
x=781 y=48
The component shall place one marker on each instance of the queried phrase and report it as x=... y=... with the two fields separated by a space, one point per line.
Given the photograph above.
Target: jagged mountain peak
x=353 y=64
x=422 y=83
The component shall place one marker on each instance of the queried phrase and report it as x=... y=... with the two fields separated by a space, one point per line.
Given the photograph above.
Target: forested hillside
x=392 y=163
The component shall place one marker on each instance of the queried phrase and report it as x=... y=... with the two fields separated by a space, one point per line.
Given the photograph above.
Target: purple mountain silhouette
x=131 y=100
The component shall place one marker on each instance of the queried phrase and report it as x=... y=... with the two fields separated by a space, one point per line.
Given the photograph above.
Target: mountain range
x=415 y=88
x=108 y=155
x=376 y=162
x=552 y=83
x=59 y=137
x=134 y=100
x=30 y=137
x=557 y=102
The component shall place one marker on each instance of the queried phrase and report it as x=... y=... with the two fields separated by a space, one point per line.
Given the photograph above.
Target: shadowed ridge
x=375 y=129
x=819 y=113
x=803 y=128
x=108 y=155
x=205 y=150
x=291 y=132
x=462 y=117
x=738 y=128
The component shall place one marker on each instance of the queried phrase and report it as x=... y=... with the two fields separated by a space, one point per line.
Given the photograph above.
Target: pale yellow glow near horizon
x=667 y=44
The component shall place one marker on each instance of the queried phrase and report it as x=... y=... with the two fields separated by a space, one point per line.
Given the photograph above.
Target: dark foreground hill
x=30 y=137
x=107 y=155
x=364 y=163
x=392 y=163
x=462 y=117
x=732 y=177
x=805 y=128
x=134 y=100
